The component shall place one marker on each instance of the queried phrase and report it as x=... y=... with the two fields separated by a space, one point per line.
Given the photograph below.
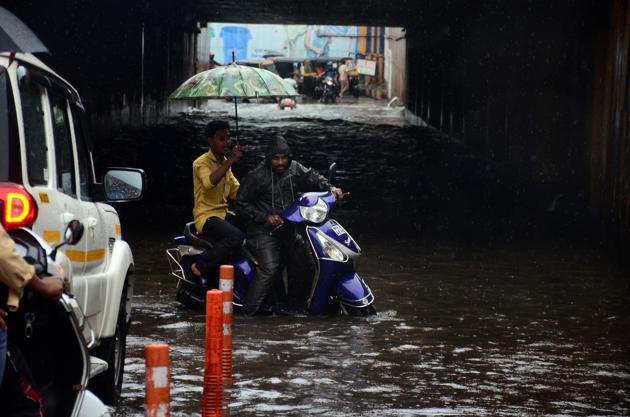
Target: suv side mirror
x=124 y=184
x=72 y=236
x=332 y=170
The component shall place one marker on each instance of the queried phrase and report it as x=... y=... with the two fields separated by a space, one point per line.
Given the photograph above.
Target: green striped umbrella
x=233 y=81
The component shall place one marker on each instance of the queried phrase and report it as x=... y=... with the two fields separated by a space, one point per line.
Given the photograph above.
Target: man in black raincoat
x=264 y=193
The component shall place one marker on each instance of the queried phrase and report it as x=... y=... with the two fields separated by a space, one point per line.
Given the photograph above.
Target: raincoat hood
x=278 y=145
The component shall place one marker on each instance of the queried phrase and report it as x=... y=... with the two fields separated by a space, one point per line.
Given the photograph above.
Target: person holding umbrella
x=213 y=185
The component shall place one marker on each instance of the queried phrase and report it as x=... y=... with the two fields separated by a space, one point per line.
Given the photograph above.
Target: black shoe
x=260 y=311
x=197 y=280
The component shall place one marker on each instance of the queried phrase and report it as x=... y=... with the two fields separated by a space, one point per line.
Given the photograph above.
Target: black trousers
x=282 y=248
x=226 y=239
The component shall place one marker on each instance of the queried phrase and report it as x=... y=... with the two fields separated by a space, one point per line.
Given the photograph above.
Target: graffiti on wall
x=254 y=41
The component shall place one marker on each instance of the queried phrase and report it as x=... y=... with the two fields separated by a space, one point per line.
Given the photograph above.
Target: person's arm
x=234 y=185
x=308 y=42
x=17 y=274
x=222 y=169
x=245 y=207
x=48 y=287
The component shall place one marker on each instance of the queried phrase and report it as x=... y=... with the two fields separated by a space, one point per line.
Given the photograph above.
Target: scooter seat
x=193 y=238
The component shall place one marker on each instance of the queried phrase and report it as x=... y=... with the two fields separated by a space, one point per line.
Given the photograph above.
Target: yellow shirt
x=211 y=200
x=15 y=273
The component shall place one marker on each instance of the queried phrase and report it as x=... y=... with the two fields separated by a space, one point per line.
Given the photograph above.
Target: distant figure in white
x=343 y=78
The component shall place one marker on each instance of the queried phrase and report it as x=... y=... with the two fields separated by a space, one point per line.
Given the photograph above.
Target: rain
x=484 y=148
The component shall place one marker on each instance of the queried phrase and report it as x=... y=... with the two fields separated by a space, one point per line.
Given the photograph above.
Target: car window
x=31 y=94
x=66 y=180
x=82 y=155
x=9 y=141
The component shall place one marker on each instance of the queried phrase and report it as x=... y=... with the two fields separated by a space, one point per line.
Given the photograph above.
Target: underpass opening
x=328 y=64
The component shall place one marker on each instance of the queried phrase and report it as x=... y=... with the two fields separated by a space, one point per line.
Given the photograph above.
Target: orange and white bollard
x=212 y=402
x=226 y=284
x=158 y=388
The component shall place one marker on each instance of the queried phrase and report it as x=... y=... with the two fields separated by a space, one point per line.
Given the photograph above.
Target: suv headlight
x=316 y=213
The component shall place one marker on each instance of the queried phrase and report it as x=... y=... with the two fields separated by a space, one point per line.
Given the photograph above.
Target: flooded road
x=512 y=324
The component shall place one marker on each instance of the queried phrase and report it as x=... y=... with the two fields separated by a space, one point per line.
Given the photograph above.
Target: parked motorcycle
x=353 y=87
x=329 y=90
x=336 y=288
x=49 y=341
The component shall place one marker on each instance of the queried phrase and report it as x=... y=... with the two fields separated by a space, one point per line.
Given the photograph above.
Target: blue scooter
x=337 y=288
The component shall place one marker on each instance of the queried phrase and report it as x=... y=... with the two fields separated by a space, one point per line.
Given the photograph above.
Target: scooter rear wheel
x=191 y=296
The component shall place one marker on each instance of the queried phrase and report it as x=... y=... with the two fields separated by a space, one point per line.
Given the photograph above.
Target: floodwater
x=502 y=319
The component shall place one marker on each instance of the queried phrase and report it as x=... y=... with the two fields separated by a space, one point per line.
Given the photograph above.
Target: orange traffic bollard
x=212 y=402
x=158 y=395
x=226 y=284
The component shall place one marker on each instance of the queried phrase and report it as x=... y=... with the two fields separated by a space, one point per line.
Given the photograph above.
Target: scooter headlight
x=316 y=213
x=330 y=249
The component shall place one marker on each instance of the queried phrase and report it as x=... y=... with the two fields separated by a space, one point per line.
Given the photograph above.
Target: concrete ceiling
x=347 y=12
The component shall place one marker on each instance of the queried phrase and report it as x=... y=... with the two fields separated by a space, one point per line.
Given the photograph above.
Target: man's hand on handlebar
x=338 y=192
x=274 y=220
x=49 y=287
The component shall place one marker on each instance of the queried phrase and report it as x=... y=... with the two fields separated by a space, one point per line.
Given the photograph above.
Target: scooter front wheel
x=361 y=311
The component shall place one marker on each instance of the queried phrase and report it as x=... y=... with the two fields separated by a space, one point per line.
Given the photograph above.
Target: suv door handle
x=67 y=217
x=91 y=222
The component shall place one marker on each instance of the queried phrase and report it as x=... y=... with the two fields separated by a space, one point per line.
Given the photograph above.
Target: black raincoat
x=264 y=192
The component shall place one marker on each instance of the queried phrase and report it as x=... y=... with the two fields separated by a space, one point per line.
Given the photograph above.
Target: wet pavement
x=478 y=314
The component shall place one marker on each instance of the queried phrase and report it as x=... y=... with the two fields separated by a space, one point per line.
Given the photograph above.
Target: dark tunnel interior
x=521 y=135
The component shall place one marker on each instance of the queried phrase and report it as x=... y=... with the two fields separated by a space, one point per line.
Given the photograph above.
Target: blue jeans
x=3 y=353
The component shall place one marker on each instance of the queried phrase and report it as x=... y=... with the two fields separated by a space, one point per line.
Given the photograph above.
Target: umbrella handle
x=236 y=116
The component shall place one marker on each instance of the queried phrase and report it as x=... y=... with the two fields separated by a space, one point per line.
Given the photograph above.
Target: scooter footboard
x=180 y=259
x=353 y=291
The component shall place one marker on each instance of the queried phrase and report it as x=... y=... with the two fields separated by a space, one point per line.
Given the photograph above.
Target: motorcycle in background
x=49 y=340
x=329 y=90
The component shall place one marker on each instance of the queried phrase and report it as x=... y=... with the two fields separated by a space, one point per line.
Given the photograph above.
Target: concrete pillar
x=396 y=62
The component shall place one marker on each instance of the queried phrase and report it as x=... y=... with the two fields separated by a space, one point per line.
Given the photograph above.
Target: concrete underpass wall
x=537 y=88
x=610 y=146
x=513 y=80
x=123 y=56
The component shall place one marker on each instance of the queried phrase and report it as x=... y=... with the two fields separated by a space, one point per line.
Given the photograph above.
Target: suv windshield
x=9 y=143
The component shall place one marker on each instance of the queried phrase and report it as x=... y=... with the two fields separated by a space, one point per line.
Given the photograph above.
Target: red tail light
x=18 y=207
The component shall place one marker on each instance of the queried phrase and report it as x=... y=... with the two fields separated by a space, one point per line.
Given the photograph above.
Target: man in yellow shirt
x=213 y=185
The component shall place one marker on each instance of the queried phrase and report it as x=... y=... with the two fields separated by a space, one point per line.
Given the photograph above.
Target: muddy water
x=511 y=326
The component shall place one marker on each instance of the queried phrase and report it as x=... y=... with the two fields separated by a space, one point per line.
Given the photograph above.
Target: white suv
x=47 y=179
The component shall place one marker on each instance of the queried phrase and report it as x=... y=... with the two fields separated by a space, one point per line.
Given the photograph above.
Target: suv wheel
x=107 y=386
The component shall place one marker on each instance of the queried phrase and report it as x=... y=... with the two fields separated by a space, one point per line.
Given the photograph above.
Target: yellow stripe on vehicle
x=83 y=256
x=43 y=197
x=52 y=236
x=117 y=229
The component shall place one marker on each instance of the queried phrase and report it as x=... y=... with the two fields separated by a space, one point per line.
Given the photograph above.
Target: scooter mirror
x=73 y=233
x=332 y=170
x=71 y=236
